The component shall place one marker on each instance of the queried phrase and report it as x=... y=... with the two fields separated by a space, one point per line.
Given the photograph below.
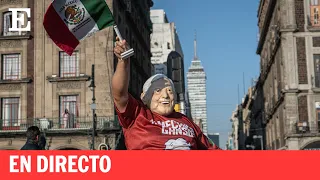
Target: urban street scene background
x=246 y=72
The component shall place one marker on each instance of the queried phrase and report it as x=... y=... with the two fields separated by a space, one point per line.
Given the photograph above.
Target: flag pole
x=128 y=53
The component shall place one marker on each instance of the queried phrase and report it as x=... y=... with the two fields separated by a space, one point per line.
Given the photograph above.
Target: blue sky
x=227 y=42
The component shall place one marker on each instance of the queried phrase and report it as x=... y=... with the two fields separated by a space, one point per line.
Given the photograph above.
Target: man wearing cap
x=151 y=122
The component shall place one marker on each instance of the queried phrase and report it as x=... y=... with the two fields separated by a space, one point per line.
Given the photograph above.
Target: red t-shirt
x=147 y=130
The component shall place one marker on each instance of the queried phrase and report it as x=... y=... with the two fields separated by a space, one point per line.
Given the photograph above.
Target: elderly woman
x=151 y=122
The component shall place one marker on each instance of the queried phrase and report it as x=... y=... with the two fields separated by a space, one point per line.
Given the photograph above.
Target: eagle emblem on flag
x=74 y=15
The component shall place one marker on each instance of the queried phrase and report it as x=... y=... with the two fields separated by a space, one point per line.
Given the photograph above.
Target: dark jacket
x=42 y=142
x=31 y=145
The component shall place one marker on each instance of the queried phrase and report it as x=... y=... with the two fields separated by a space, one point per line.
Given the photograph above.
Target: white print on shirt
x=177 y=144
x=172 y=127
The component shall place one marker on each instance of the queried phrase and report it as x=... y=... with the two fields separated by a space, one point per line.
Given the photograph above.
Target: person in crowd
x=42 y=142
x=32 y=143
x=68 y=119
x=150 y=122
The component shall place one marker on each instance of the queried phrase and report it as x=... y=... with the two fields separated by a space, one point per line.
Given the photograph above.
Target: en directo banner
x=164 y=165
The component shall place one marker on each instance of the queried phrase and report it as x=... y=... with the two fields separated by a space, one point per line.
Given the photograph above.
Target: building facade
x=257 y=118
x=250 y=120
x=167 y=55
x=39 y=82
x=289 y=48
x=229 y=143
x=133 y=19
x=235 y=129
x=196 y=78
x=239 y=127
x=246 y=105
x=164 y=40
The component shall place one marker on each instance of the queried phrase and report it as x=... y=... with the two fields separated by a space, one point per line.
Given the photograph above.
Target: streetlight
x=261 y=140
x=93 y=105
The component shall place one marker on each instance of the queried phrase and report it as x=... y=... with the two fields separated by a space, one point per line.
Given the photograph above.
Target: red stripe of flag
x=59 y=32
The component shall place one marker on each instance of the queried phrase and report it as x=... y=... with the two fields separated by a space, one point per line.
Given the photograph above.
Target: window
x=69 y=65
x=68 y=111
x=314 y=2
x=317 y=104
x=314 y=12
x=316 y=58
x=10 y=113
x=11 y=66
x=7 y=23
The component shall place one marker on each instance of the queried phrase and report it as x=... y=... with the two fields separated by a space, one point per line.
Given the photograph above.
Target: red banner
x=73 y=165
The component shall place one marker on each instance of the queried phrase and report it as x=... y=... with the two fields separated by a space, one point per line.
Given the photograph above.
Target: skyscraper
x=196 y=78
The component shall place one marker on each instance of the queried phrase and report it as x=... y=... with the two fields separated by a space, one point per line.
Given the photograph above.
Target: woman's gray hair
x=146 y=86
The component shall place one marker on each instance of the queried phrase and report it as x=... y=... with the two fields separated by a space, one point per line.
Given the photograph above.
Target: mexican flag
x=67 y=22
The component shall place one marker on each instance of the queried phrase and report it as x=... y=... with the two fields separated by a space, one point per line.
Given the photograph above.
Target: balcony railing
x=303 y=128
x=52 y=124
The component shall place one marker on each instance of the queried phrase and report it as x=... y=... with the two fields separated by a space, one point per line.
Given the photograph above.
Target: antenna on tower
x=195 y=44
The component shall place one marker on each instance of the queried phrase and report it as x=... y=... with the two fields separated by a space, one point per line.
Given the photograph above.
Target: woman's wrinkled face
x=162 y=99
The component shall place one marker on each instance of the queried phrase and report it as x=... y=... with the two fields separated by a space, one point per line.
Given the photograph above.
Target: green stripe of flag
x=100 y=12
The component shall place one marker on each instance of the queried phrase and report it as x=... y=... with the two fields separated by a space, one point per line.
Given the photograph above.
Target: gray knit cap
x=147 y=87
